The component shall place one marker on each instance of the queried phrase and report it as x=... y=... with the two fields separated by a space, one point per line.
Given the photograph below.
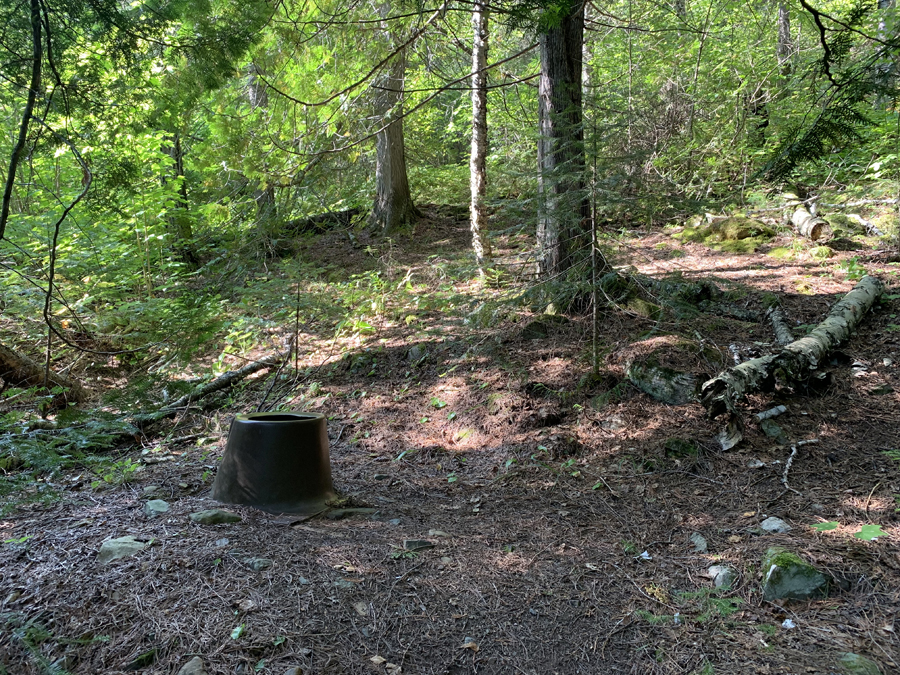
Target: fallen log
x=783 y=335
x=807 y=224
x=20 y=371
x=802 y=219
x=796 y=360
x=223 y=381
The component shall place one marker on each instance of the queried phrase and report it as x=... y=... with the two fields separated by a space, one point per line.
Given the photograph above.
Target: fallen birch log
x=20 y=371
x=783 y=335
x=807 y=225
x=802 y=219
x=797 y=359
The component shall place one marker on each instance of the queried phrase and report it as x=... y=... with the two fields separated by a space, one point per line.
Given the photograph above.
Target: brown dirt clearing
x=539 y=492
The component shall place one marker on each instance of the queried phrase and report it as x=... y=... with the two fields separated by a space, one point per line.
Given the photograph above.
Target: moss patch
x=643 y=308
x=736 y=234
x=821 y=253
x=781 y=253
x=786 y=576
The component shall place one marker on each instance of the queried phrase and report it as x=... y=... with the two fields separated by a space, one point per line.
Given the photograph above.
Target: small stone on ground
x=215 y=517
x=775 y=525
x=699 y=542
x=193 y=667
x=854 y=664
x=113 y=549
x=786 y=576
x=417 y=544
x=155 y=507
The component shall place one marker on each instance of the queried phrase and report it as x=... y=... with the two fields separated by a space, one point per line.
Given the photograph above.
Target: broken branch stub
x=796 y=359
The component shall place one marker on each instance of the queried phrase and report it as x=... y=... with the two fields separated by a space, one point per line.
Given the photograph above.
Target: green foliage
x=26 y=453
x=868 y=532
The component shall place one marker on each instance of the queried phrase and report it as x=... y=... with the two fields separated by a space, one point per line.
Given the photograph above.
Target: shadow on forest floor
x=559 y=510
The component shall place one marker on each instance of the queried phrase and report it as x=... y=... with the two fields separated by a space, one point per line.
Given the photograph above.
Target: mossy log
x=20 y=371
x=796 y=360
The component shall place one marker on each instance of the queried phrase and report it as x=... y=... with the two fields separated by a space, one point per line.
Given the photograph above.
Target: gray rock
x=193 y=667
x=222 y=542
x=786 y=576
x=297 y=670
x=664 y=384
x=773 y=431
x=417 y=544
x=438 y=533
x=113 y=549
x=155 y=507
x=416 y=353
x=854 y=664
x=755 y=464
x=151 y=490
x=723 y=576
x=381 y=476
x=775 y=525
x=215 y=517
x=699 y=542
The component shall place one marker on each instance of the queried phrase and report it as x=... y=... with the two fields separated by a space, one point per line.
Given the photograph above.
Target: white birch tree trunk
x=478 y=157
x=785 y=48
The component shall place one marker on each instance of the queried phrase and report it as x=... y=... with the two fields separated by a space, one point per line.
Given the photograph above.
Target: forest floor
x=559 y=520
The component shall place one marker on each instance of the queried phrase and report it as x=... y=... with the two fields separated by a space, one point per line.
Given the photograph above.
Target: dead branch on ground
x=796 y=360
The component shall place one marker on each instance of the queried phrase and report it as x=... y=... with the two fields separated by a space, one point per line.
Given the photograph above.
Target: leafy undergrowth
x=560 y=505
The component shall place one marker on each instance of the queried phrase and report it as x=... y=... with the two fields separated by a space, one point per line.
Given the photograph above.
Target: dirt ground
x=560 y=522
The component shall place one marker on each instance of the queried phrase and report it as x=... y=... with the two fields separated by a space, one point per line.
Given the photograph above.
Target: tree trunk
x=263 y=194
x=37 y=57
x=785 y=48
x=478 y=158
x=807 y=224
x=393 y=207
x=179 y=217
x=564 y=208
x=20 y=371
x=796 y=360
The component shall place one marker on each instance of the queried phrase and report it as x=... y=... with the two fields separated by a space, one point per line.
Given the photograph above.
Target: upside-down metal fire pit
x=277 y=462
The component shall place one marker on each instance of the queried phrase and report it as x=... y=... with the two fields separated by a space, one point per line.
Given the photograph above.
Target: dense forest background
x=161 y=152
x=587 y=292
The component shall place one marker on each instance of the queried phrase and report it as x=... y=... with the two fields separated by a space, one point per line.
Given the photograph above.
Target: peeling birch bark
x=797 y=359
x=478 y=157
x=807 y=224
x=783 y=335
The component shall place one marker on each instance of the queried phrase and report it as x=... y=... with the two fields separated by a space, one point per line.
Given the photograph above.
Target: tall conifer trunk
x=263 y=193
x=179 y=217
x=393 y=207
x=563 y=221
